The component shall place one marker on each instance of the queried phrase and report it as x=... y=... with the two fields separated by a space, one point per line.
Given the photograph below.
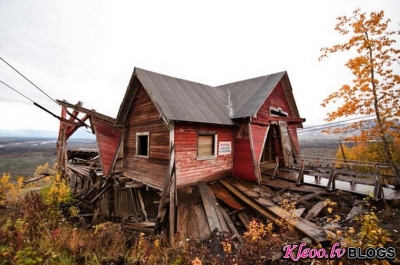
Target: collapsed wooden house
x=172 y=136
x=173 y=133
x=178 y=133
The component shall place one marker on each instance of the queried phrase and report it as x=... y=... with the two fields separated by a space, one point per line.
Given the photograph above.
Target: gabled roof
x=182 y=100
x=247 y=96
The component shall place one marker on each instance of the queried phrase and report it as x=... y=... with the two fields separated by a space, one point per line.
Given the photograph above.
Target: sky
x=86 y=50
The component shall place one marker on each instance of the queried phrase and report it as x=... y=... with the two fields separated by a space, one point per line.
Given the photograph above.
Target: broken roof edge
x=89 y=112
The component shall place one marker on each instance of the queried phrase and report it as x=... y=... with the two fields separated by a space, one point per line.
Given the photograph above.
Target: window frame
x=215 y=145
x=277 y=112
x=138 y=135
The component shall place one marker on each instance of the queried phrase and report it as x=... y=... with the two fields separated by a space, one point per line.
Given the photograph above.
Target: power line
x=34 y=103
x=69 y=113
x=327 y=125
x=17 y=91
x=28 y=80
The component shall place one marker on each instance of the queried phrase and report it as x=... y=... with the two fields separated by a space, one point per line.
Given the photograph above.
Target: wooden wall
x=243 y=159
x=108 y=139
x=277 y=99
x=144 y=117
x=190 y=170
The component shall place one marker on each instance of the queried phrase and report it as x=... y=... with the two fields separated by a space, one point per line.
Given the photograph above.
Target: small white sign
x=224 y=148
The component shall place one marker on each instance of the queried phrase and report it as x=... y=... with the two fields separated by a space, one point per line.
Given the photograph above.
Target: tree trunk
x=389 y=157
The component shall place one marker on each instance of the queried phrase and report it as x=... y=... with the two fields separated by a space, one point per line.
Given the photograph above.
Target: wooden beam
x=269 y=210
x=315 y=210
x=172 y=209
x=308 y=197
x=211 y=213
x=244 y=219
x=289 y=120
x=229 y=223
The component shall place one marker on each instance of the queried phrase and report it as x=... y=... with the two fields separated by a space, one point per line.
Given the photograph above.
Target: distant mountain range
x=28 y=133
x=305 y=134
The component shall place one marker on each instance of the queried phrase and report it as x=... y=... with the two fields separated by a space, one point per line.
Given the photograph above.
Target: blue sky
x=86 y=50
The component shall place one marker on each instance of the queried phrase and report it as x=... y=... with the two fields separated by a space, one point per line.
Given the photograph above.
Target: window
x=277 y=112
x=142 y=144
x=206 y=145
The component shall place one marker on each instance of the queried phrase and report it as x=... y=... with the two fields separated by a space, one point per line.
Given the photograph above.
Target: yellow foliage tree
x=375 y=89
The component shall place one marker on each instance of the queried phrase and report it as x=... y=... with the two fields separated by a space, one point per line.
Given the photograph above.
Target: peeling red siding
x=277 y=99
x=108 y=140
x=243 y=160
x=190 y=170
x=258 y=135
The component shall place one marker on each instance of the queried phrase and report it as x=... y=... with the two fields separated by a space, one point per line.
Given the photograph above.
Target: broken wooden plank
x=182 y=214
x=141 y=202
x=244 y=219
x=202 y=223
x=229 y=223
x=248 y=201
x=286 y=184
x=209 y=207
x=308 y=197
x=356 y=210
x=298 y=212
x=269 y=210
x=315 y=210
x=251 y=191
x=222 y=194
x=101 y=192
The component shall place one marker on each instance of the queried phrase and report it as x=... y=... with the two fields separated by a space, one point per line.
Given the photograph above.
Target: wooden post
x=172 y=209
x=343 y=154
x=331 y=182
x=378 y=191
x=274 y=173
x=300 y=179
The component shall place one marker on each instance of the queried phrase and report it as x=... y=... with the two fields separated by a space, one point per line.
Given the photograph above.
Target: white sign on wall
x=225 y=148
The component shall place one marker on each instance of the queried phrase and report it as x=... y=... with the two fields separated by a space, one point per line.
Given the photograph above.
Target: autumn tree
x=375 y=89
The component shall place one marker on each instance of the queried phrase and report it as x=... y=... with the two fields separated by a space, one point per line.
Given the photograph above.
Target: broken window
x=278 y=112
x=142 y=144
x=206 y=145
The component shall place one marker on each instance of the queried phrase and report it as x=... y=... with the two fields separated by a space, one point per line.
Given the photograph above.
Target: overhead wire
x=52 y=99
x=28 y=80
x=34 y=103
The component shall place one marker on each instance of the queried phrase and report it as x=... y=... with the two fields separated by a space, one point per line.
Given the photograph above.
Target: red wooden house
x=201 y=133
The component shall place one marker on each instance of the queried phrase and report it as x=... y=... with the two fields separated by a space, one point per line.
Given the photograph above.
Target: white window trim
x=215 y=146
x=279 y=110
x=148 y=144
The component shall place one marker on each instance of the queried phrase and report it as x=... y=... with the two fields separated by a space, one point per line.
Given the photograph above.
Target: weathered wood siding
x=277 y=99
x=258 y=135
x=108 y=140
x=189 y=169
x=144 y=117
x=243 y=160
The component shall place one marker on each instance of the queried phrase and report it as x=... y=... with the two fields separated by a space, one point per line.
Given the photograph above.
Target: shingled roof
x=182 y=100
